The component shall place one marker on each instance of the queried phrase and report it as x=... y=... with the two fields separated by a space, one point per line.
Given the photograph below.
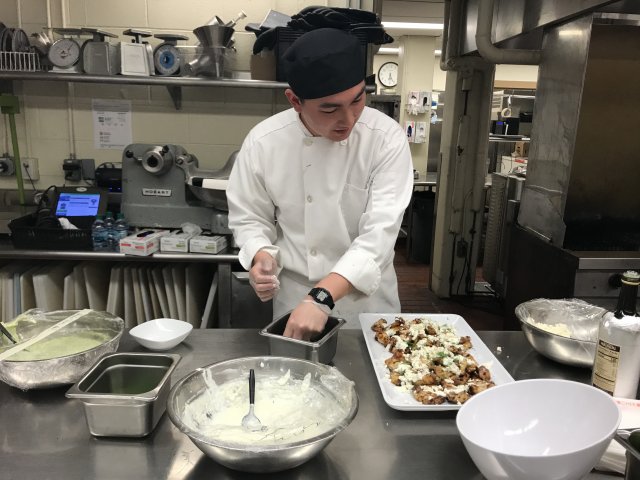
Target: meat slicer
x=162 y=187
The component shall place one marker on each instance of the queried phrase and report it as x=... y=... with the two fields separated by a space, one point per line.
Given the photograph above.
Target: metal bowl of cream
x=62 y=357
x=302 y=406
x=564 y=330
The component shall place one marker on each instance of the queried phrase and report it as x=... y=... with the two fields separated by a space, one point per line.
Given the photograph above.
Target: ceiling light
x=437 y=52
x=389 y=51
x=414 y=26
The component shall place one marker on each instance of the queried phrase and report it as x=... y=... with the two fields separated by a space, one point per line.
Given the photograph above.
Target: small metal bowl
x=263 y=457
x=582 y=320
x=321 y=348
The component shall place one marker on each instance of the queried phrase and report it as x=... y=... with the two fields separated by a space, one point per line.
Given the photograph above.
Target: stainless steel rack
x=174 y=84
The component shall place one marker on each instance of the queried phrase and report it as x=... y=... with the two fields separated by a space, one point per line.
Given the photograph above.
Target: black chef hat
x=324 y=62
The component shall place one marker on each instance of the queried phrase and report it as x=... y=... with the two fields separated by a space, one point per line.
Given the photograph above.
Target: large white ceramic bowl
x=543 y=429
x=161 y=333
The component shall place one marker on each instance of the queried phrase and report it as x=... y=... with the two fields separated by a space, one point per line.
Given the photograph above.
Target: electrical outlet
x=7 y=166
x=30 y=169
x=72 y=169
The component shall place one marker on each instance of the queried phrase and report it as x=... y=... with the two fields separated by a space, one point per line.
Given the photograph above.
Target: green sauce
x=60 y=346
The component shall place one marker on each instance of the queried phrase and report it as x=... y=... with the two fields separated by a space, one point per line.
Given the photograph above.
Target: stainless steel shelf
x=8 y=252
x=139 y=80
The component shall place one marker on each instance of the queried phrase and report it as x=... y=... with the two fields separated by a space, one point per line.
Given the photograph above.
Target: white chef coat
x=321 y=206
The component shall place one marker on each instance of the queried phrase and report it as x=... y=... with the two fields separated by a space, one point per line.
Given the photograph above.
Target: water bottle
x=121 y=229
x=110 y=232
x=99 y=234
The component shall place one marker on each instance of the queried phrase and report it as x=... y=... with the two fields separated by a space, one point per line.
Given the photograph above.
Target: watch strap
x=322 y=296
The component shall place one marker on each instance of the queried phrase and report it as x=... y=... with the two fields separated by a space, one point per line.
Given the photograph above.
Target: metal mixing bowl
x=581 y=318
x=64 y=370
x=263 y=457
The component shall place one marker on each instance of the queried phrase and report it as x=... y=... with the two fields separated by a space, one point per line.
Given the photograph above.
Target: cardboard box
x=142 y=243
x=263 y=66
x=176 y=241
x=207 y=244
x=522 y=149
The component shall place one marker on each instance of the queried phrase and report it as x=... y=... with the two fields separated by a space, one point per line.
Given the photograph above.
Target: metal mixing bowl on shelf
x=273 y=450
x=564 y=330
x=27 y=371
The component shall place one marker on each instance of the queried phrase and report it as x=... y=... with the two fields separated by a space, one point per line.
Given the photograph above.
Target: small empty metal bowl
x=581 y=320
x=321 y=348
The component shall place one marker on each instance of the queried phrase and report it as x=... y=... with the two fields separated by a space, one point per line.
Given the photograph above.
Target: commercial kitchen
x=519 y=120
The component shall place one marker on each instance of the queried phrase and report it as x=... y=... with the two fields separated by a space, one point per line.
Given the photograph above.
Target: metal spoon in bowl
x=250 y=421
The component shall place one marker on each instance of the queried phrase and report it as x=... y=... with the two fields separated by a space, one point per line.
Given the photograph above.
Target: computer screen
x=78 y=204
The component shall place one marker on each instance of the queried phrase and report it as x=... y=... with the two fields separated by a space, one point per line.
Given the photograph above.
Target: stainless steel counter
x=44 y=435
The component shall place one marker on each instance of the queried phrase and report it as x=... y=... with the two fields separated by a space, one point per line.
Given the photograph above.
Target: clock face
x=388 y=74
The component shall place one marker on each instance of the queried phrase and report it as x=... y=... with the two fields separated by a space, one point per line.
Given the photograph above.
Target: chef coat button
x=309 y=198
x=308 y=141
x=343 y=142
x=313 y=252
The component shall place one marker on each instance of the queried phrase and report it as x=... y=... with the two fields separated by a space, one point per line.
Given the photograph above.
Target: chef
x=317 y=192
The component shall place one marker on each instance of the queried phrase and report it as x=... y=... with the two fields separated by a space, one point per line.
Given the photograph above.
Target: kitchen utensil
x=538 y=429
x=214 y=35
x=580 y=318
x=7 y=333
x=161 y=333
x=136 y=58
x=250 y=421
x=61 y=370
x=630 y=440
x=125 y=394
x=321 y=348
x=99 y=57
x=267 y=455
x=166 y=57
x=65 y=53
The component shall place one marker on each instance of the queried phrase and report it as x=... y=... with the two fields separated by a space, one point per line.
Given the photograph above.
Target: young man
x=317 y=193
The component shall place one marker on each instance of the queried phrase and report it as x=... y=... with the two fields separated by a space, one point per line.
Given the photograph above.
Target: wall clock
x=388 y=74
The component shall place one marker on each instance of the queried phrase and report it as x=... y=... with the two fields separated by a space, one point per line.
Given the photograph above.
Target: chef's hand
x=262 y=276
x=305 y=321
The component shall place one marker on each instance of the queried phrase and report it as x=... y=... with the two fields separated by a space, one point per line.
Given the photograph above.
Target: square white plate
x=401 y=399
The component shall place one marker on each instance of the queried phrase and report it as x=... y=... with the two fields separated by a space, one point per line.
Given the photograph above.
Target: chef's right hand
x=262 y=276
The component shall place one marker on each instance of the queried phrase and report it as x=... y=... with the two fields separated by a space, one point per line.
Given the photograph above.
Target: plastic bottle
x=617 y=364
x=111 y=234
x=99 y=234
x=121 y=229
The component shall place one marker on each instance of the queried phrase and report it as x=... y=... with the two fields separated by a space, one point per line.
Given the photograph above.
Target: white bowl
x=544 y=429
x=161 y=333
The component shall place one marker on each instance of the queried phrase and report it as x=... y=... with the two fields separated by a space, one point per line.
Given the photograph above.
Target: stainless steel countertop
x=44 y=435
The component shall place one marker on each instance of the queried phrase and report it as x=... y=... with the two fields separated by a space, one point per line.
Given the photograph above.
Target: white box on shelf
x=177 y=241
x=207 y=244
x=142 y=243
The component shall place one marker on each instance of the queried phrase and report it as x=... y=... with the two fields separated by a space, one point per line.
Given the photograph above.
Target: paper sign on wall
x=111 y=123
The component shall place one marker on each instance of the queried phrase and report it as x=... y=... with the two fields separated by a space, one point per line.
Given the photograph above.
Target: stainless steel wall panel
x=556 y=112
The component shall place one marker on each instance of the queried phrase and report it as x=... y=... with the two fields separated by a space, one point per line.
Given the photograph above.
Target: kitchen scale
x=65 y=53
x=100 y=57
x=136 y=58
x=166 y=56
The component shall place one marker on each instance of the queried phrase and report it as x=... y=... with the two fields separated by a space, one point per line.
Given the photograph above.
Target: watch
x=388 y=74
x=322 y=296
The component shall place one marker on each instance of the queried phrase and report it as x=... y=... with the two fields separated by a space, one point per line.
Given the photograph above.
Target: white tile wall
x=212 y=122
